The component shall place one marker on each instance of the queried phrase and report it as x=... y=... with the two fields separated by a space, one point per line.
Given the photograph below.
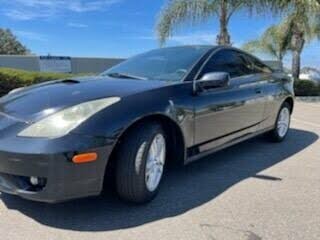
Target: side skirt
x=199 y=155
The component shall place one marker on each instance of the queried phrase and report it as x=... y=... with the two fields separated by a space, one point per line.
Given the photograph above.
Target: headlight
x=61 y=123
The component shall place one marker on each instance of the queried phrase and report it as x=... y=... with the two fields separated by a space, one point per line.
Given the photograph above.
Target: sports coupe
x=59 y=140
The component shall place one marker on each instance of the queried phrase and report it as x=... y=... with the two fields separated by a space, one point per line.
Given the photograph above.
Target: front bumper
x=64 y=179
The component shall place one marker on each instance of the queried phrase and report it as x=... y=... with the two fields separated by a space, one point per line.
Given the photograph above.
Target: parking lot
x=255 y=190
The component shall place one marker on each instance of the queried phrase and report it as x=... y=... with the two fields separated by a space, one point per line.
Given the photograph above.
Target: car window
x=228 y=61
x=168 y=64
x=257 y=66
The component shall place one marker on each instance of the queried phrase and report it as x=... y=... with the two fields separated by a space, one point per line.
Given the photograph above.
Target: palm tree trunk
x=296 y=64
x=280 y=59
x=297 y=46
x=223 y=38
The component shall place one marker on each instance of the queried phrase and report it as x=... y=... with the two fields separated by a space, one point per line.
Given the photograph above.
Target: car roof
x=208 y=47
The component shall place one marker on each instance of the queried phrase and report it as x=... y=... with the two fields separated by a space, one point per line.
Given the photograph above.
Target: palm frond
x=272 y=42
x=315 y=26
x=177 y=12
x=253 y=46
x=288 y=6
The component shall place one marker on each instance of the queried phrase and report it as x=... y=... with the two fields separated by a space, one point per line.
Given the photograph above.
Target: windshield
x=167 y=64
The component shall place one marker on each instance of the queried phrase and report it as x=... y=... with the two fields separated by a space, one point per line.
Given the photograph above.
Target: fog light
x=34 y=181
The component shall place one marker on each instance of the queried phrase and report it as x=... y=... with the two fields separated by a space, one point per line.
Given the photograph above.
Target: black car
x=58 y=140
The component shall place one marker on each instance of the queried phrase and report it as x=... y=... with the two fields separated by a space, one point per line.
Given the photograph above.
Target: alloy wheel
x=155 y=162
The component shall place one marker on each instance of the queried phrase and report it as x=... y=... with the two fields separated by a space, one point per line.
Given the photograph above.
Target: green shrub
x=13 y=78
x=306 y=88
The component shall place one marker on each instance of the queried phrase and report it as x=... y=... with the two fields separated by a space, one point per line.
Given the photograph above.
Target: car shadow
x=182 y=190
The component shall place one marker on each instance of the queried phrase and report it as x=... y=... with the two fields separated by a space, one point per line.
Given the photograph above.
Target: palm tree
x=301 y=25
x=301 y=29
x=177 y=12
x=273 y=42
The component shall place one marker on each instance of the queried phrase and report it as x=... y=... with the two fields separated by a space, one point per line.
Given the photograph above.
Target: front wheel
x=279 y=133
x=140 y=163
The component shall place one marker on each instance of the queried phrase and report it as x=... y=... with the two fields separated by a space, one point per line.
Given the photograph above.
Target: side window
x=260 y=67
x=227 y=61
x=257 y=66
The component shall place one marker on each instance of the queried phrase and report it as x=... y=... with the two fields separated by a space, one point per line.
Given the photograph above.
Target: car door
x=268 y=83
x=223 y=114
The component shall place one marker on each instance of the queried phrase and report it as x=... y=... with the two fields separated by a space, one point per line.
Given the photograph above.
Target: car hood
x=37 y=101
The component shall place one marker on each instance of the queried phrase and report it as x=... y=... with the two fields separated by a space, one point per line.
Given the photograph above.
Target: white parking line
x=306 y=122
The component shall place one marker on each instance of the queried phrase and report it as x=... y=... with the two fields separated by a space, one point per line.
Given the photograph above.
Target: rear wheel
x=279 y=133
x=140 y=163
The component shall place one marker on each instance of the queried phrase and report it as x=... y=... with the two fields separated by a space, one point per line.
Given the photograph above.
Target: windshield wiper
x=125 y=75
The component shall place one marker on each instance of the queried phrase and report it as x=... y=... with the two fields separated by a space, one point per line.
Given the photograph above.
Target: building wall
x=92 y=65
x=78 y=64
x=29 y=63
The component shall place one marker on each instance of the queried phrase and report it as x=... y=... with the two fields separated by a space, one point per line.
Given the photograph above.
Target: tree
x=10 y=45
x=301 y=29
x=301 y=25
x=274 y=42
x=177 y=12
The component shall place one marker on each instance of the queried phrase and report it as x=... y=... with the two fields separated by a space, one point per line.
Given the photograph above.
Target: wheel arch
x=171 y=128
x=177 y=146
x=290 y=101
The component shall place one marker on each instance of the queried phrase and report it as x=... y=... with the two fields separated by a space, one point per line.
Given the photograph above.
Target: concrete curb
x=308 y=99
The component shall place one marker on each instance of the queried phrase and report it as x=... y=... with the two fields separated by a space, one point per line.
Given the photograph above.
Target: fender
x=112 y=122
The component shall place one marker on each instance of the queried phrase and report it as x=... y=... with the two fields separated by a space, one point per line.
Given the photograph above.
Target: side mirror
x=214 y=80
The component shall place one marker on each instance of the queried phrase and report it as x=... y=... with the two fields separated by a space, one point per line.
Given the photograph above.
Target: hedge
x=306 y=88
x=13 y=78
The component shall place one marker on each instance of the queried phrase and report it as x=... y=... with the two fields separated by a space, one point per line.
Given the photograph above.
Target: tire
x=279 y=133
x=133 y=183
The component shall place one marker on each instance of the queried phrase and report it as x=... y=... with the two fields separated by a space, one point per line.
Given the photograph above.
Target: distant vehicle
x=60 y=140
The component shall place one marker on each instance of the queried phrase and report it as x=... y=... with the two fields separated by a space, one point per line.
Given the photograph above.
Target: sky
x=120 y=28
